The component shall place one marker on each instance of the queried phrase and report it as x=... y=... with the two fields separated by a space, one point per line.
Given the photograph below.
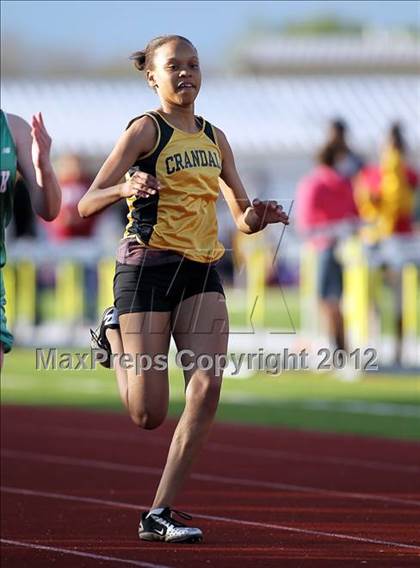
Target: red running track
x=73 y=484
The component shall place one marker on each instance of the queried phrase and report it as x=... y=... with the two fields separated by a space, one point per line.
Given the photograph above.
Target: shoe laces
x=167 y=515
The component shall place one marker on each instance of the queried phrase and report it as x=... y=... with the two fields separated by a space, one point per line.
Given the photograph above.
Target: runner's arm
x=107 y=188
x=33 y=162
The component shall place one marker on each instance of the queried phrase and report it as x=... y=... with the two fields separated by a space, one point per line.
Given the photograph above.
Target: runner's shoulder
x=143 y=132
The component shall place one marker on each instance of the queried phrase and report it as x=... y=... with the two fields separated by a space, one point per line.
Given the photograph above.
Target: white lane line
x=350 y=406
x=64 y=460
x=362 y=407
x=121 y=504
x=217 y=447
x=352 y=462
x=84 y=554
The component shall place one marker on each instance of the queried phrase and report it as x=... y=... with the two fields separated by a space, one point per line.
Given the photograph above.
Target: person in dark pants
x=325 y=198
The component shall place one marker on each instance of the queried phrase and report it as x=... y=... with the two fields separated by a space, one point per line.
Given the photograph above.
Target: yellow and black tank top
x=181 y=217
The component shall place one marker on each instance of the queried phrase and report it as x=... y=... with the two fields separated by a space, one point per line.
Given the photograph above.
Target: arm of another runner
x=107 y=188
x=248 y=218
x=33 y=161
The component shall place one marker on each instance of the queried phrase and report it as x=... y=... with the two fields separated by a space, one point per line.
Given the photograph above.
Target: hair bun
x=139 y=58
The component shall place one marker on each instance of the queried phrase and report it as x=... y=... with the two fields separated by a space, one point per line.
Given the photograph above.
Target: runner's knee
x=147 y=420
x=203 y=391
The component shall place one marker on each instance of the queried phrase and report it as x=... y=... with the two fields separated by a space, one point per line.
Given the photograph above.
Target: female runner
x=165 y=280
x=25 y=150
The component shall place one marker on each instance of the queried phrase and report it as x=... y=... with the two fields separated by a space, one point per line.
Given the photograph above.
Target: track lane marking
x=218 y=447
x=79 y=553
x=122 y=505
x=64 y=460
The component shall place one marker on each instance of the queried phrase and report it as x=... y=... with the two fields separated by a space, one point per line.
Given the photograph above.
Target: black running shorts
x=142 y=288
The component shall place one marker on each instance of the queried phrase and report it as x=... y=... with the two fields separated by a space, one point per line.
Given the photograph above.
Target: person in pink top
x=325 y=205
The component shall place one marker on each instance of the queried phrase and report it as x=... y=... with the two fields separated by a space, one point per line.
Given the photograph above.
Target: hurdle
x=363 y=285
x=254 y=252
x=69 y=297
x=310 y=315
x=410 y=312
x=9 y=277
x=356 y=287
x=25 y=293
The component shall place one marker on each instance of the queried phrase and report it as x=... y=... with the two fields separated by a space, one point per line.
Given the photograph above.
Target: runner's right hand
x=140 y=184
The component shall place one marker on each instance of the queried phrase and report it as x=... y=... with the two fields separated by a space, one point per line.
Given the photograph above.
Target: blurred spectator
x=348 y=163
x=385 y=197
x=385 y=193
x=74 y=183
x=324 y=199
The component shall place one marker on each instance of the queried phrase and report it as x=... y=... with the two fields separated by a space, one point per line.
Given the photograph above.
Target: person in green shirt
x=26 y=151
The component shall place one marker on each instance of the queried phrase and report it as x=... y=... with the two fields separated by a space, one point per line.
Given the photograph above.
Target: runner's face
x=176 y=73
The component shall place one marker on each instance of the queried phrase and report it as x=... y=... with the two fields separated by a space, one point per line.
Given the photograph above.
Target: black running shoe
x=98 y=337
x=167 y=529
